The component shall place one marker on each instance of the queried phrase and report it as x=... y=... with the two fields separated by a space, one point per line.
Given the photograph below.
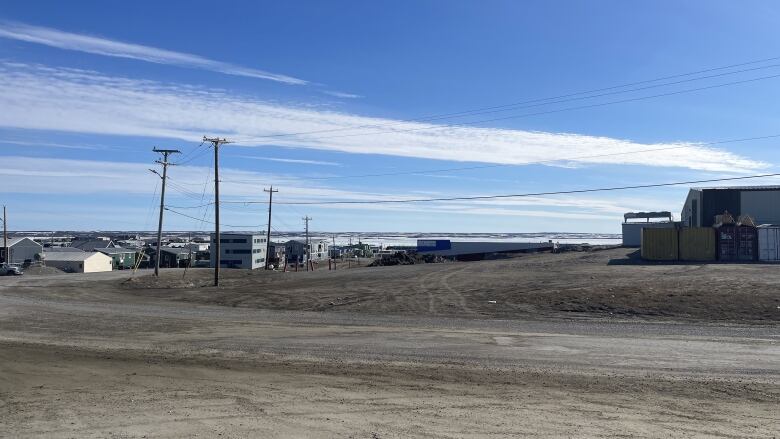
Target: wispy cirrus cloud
x=49 y=145
x=341 y=94
x=57 y=176
x=45 y=98
x=281 y=160
x=107 y=47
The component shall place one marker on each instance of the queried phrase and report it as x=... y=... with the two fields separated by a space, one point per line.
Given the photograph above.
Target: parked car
x=10 y=270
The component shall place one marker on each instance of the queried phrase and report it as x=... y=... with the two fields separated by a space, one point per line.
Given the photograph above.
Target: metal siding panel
x=659 y=244
x=715 y=201
x=697 y=244
x=763 y=206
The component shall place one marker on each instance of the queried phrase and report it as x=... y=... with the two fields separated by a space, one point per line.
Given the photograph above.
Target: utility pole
x=216 y=142
x=189 y=263
x=334 y=252
x=268 y=234
x=306 y=219
x=164 y=162
x=5 y=237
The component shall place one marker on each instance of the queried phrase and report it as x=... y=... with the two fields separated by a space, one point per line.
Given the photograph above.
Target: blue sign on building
x=429 y=245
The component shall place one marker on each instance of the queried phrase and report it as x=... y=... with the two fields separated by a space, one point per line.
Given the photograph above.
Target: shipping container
x=769 y=243
x=747 y=245
x=727 y=242
x=697 y=244
x=659 y=244
x=632 y=232
x=737 y=243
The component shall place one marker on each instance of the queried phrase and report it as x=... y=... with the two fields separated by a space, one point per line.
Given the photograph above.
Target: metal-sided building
x=476 y=249
x=296 y=250
x=239 y=250
x=760 y=202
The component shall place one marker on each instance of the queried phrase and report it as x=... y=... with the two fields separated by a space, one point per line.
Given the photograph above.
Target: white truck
x=10 y=270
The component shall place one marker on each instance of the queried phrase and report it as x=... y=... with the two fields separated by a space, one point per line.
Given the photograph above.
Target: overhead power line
x=533 y=194
x=258 y=226
x=489 y=197
x=542 y=101
x=558 y=110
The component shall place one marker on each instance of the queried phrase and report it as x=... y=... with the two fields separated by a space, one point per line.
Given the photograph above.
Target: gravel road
x=82 y=357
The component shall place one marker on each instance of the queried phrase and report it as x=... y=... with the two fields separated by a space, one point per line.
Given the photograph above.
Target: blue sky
x=88 y=88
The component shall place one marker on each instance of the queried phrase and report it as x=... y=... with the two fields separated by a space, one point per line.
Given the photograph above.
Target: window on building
x=239 y=241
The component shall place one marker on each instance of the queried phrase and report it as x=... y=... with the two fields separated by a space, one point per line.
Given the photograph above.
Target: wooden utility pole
x=268 y=234
x=216 y=142
x=334 y=252
x=164 y=162
x=306 y=220
x=5 y=237
x=189 y=263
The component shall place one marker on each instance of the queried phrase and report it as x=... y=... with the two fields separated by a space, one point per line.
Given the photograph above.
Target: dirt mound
x=165 y=282
x=42 y=271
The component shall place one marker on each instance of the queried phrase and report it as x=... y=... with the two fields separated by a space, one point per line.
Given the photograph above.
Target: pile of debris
x=397 y=258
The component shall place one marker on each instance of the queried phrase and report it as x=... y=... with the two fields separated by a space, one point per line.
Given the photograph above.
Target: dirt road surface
x=329 y=354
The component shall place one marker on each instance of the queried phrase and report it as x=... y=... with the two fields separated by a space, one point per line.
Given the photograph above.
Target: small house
x=123 y=258
x=20 y=250
x=78 y=262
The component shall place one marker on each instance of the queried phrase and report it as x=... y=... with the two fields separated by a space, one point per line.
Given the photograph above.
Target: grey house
x=20 y=250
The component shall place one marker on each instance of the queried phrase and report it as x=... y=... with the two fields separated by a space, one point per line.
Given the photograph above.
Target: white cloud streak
x=45 y=98
x=106 y=47
x=301 y=161
x=341 y=94
x=49 y=145
x=54 y=176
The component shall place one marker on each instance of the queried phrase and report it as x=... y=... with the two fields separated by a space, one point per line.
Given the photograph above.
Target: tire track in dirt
x=435 y=294
x=460 y=297
x=424 y=289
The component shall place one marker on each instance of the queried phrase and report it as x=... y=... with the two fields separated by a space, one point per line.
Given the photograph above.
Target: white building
x=78 y=262
x=239 y=250
x=20 y=250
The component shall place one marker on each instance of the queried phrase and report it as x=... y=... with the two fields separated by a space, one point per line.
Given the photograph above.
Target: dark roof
x=61 y=249
x=114 y=250
x=740 y=188
x=176 y=250
x=89 y=245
